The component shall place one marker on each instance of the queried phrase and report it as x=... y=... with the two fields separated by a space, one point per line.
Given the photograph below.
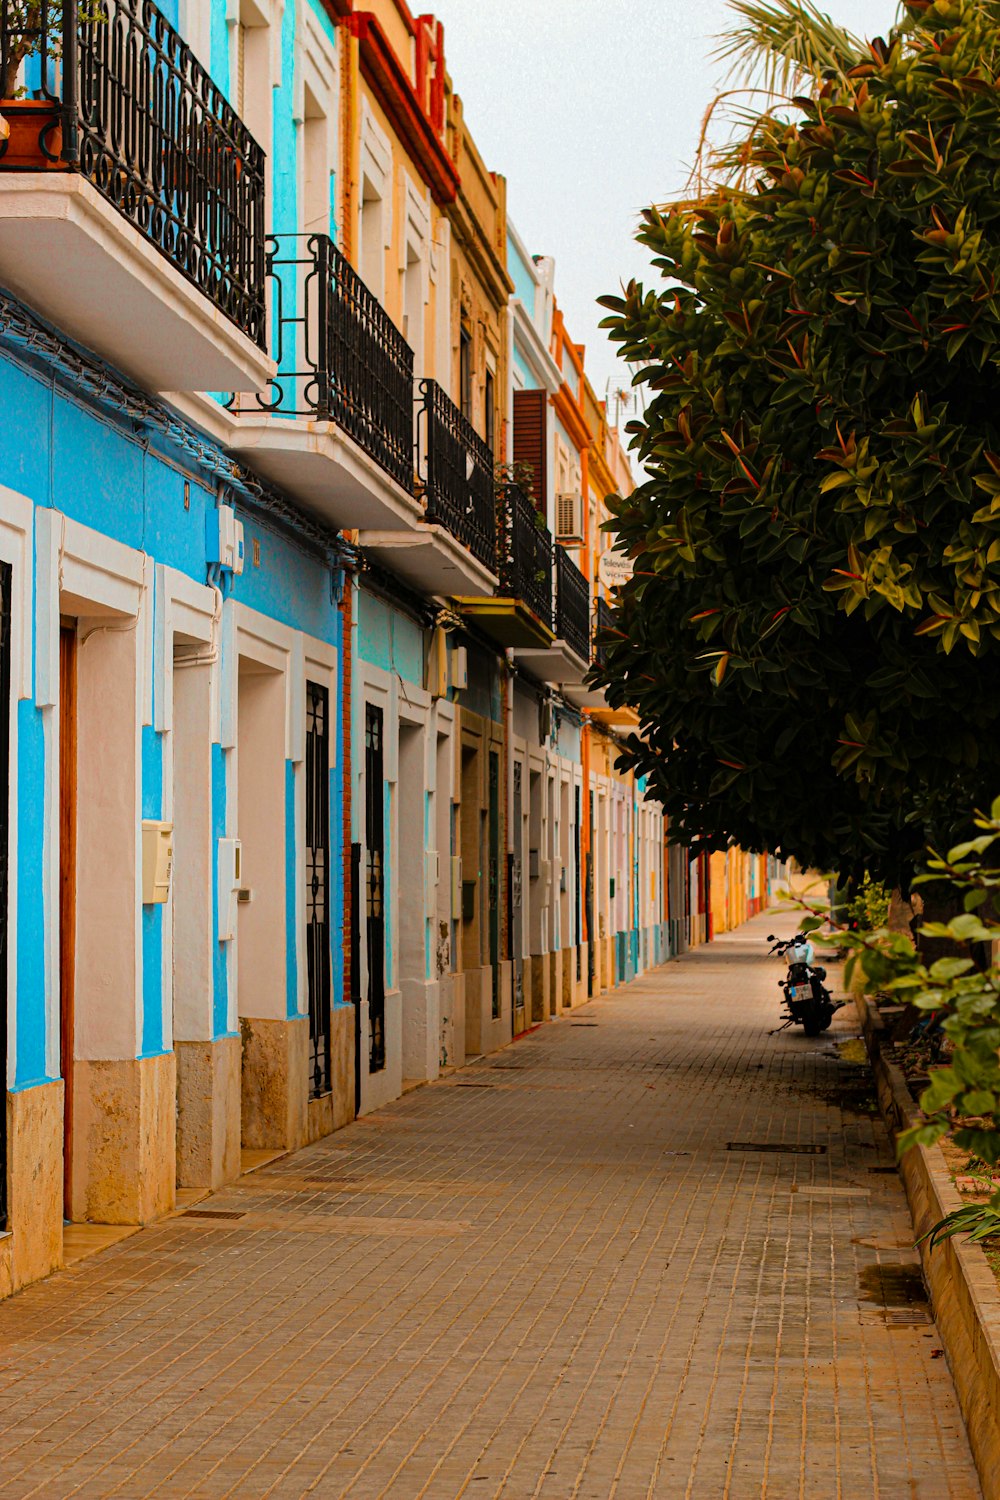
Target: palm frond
x=784 y=45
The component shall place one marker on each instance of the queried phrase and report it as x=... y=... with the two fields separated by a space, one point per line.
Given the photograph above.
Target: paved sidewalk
x=568 y=1271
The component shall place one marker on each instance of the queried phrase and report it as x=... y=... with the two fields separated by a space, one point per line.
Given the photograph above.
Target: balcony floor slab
x=73 y=258
x=582 y=696
x=322 y=468
x=509 y=622
x=558 y=663
x=430 y=560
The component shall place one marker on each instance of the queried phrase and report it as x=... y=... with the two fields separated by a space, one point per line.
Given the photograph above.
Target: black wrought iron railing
x=572 y=605
x=457 y=468
x=340 y=356
x=604 y=620
x=143 y=121
x=525 y=546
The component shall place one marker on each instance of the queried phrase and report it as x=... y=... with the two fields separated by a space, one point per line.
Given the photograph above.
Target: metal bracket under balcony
x=131 y=196
x=521 y=613
x=335 y=427
x=567 y=659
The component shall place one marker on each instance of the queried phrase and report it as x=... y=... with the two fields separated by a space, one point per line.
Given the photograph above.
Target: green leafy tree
x=813 y=624
x=25 y=22
x=963 y=995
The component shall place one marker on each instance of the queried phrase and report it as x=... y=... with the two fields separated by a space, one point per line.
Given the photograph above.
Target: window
x=488 y=431
x=465 y=369
x=372 y=239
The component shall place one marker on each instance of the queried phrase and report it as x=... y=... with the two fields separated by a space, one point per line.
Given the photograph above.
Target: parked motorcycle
x=809 y=1003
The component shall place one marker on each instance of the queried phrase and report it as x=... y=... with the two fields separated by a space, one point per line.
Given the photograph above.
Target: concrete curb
x=964 y=1294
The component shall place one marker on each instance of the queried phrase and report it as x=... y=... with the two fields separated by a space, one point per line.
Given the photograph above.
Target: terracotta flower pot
x=34 y=143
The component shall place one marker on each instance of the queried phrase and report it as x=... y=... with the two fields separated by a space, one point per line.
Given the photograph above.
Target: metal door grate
x=517 y=889
x=494 y=879
x=375 y=882
x=318 y=885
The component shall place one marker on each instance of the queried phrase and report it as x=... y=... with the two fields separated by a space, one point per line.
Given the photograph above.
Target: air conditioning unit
x=569 y=517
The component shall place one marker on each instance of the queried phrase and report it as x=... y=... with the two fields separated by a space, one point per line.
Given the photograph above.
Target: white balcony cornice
x=71 y=256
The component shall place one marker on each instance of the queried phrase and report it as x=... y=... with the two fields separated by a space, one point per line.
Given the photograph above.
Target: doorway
x=417 y=898
x=493 y=811
x=318 y=887
x=517 y=900
x=375 y=881
x=68 y=719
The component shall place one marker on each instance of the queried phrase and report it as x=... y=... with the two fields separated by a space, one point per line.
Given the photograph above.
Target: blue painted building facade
x=298 y=801
x=173 y=639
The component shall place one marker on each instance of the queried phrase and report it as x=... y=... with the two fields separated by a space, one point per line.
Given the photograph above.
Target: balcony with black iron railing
x=525 y=553
x=572 y=606
x=334 y=428
x=131 y=194
x=340 y=357
x=604 y=623
x=457 y=475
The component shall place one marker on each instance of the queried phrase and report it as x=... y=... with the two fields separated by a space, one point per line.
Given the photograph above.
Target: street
x=647 y=1251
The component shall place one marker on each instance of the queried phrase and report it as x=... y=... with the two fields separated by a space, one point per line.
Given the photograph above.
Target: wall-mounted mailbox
x=157 y=861
x=224 y=539
x=230 y=880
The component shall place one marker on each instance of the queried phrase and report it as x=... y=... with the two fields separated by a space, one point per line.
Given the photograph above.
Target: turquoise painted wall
x=530 y=380
x=58 y=451
x=522 y=277
x=61 y=451
x=389 y=639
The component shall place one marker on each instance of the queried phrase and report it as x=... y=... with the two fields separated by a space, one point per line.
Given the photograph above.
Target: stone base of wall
x=573 y=991
x=33 y=1246
x=963 y=1290
x=274 y=1083
x=208 y=1112
x=421 y=1016
x=537 y=967
x=452 y=1002
x=485 y=1032
x=334 y=1110
x=123 y=1140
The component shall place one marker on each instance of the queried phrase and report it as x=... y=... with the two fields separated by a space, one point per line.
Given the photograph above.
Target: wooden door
x=67 y=887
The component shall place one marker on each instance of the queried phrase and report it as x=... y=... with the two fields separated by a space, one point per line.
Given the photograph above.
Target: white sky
x=592 y=109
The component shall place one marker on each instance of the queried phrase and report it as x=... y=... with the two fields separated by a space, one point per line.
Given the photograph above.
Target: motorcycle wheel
x=812 y=1025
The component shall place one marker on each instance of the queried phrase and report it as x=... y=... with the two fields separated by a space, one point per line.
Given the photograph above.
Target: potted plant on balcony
x=31 y=127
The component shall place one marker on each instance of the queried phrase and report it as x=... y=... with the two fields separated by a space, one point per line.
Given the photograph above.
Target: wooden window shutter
x=530 y=446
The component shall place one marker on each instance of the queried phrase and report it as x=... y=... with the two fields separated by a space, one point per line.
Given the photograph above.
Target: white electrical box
x=456 y=887
x=460 y=668
x=157 y=861
x=230 y=879
x=432 y=874
x=545 y=876
x=224 y=539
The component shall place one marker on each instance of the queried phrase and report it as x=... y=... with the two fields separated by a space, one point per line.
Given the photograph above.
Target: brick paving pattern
x=547 y=1275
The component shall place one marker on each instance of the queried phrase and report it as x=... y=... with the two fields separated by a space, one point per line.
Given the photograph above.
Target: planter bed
x=964 y=1293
